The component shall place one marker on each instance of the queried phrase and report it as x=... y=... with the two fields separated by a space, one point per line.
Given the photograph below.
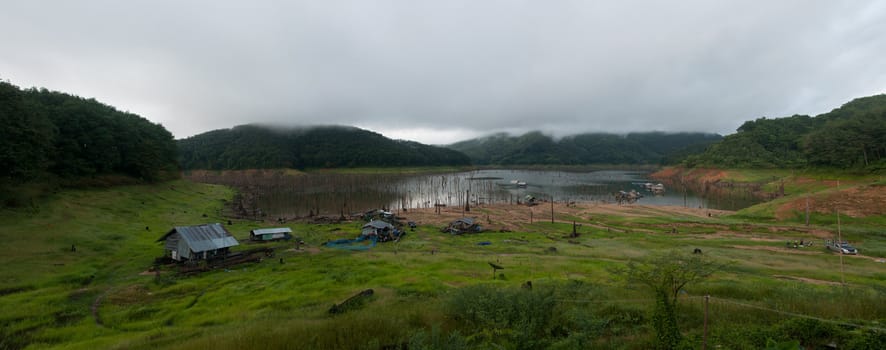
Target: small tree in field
x=665 y=274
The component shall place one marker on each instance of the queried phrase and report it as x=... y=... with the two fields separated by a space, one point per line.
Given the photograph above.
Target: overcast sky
x=442 y=71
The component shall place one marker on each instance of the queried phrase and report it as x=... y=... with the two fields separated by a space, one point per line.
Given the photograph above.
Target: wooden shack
x=270 y=234
x=198 y=242
x=462 y=225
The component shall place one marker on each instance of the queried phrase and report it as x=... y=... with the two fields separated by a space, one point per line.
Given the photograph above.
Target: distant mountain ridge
x=261 y=147
x=535 y=148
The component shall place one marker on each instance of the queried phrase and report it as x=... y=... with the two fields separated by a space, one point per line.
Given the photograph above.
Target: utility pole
x=840 y=241
x=840 y=247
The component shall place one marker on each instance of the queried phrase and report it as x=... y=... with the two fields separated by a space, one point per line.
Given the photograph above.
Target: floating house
x=654 y=188
x=270 y=234
x=198 y=242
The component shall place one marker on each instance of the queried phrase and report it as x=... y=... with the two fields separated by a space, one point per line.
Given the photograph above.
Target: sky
x=438 y=72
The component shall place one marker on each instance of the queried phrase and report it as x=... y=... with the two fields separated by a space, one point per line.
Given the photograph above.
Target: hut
x=462 y=225
x=381 y=230
x=270 y=234
x=198 y=242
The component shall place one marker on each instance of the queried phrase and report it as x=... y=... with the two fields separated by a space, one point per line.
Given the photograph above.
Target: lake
x=274 y=194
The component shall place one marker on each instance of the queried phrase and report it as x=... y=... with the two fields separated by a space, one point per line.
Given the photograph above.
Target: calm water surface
x=333 y=194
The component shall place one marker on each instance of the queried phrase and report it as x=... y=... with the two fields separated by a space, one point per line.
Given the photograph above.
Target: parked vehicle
x=842 y=247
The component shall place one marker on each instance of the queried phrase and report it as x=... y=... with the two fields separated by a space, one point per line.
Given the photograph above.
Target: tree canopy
x=52 y=134
x=256 y=146
x=852 y=136
x=592 y=148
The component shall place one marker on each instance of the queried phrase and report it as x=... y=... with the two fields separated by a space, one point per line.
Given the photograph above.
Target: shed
x=462 y=225
x=377 y=227
x=198 y=242
x=270 y=234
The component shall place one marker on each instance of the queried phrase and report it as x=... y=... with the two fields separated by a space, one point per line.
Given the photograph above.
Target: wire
x=727 y=301
x=793 y=314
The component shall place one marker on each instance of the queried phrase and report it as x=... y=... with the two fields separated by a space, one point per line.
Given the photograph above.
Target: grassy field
x=74 y=274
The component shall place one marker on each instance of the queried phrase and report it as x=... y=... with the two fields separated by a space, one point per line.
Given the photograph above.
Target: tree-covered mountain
x=852 y=136
x=595 y=148
x=48 y=135
x=255 y=146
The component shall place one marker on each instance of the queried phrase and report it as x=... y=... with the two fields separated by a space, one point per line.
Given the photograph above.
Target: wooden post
x=495 y=267
x=530 y=216
x=552 y=209
x=704 y=341
x=807 y=210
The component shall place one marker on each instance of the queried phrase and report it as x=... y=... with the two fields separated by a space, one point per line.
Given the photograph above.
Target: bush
x=514 y=318
x=437 y=340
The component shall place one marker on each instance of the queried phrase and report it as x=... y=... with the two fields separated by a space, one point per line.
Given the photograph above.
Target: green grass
x=48 y=291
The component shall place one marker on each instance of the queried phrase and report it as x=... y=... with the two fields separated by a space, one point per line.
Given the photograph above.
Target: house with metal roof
x=376 y=227
x=380 y=230
x=462 y=225
x=270 y=234
x=198 y=242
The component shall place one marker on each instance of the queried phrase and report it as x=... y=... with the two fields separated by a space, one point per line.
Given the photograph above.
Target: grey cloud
x=561 y=67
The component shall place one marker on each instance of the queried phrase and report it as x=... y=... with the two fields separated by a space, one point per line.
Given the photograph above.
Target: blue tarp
x=353 y=244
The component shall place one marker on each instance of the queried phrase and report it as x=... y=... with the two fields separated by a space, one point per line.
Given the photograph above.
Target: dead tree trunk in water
x=468 y=200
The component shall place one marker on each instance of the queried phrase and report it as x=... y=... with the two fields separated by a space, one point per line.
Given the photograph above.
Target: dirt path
x=807 y=280
x=94 y=308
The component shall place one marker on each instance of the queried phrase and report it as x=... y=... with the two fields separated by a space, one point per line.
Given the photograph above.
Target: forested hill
x=48 y=135
x=852 y=136
x=254 y=146
x=596 y=148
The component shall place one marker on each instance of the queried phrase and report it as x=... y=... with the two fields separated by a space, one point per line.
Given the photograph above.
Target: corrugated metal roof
x=206 y=237
x=266 y=231
x=469 y=221
x=378 y=224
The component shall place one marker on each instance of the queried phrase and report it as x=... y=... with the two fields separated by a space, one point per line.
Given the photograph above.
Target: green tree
x=665 y=275
x=25 y=136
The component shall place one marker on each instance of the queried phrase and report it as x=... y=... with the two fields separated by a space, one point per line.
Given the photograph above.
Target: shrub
x=515 y=318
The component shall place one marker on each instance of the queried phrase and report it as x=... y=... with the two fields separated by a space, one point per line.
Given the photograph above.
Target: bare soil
x=512 y=217
x=857 y=202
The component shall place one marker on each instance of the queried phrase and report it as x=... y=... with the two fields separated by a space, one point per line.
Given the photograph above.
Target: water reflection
x=275 y=194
